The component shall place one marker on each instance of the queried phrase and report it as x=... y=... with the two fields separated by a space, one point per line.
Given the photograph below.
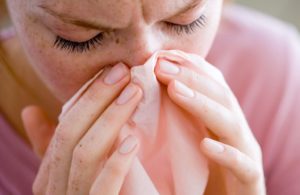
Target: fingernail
x=213 y=146
x=183 y=89
x=127 y=94
x=118 y=72
x=168 y=67
x=128 y=145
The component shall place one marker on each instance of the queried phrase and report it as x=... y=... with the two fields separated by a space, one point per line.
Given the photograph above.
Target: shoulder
x=249 y=36
x=260 y=59
x=18 y=163
x=256 y=51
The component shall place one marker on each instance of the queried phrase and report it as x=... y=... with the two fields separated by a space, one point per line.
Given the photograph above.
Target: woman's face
x=68 y=41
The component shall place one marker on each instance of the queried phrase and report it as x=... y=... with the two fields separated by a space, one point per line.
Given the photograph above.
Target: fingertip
x=171 y=89
x=140 y=92
x=130 y=93
x=30 y=115
x=38 y=127
x=161 y=76
x=27 y=110
x=181 y=93
x=34 y=115
x=157 y=68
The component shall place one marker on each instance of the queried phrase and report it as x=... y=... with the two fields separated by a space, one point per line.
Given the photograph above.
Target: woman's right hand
x=78 y=159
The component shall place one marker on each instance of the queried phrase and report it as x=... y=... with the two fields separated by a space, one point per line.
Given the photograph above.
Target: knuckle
x=227 y=97
x=114 y=169
x=236 y=157
x=92 y=94
x=81 y=155
x=61 y=135
x=111 y=117
x=251 y=171
x=254 y=174
x=97 y=89
x=193 y=77
x=230 y=126
x=236 y=127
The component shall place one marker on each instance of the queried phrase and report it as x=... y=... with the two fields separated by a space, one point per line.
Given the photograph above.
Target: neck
x=20 y=87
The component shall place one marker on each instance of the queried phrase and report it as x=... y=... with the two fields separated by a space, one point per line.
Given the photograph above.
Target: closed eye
x=188 y=28
x=79 y=47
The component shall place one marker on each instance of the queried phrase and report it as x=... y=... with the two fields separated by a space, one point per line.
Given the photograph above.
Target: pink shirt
x=260 y=58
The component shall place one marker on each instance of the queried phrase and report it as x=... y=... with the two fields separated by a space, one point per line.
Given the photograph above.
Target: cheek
x=61 y=72
x=63 y=75
x=201 y=41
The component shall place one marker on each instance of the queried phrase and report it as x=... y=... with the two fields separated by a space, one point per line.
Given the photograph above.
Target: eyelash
x=188 y=28
x=80 y=47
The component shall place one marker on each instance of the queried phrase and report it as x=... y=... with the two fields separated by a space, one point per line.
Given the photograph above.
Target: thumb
x=38 y=127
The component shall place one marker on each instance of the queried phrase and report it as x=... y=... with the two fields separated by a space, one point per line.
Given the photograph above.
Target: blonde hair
x=3 y=16
x=3 y=10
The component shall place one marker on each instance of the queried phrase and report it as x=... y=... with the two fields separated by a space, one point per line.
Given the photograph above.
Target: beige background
x=287 y=10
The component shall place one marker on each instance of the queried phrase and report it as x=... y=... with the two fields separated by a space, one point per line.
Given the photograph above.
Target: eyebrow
x=71 y=20
x=93 y=25
x=190 y=6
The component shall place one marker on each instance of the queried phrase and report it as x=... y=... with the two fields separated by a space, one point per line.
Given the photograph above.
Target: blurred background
x=287 y=10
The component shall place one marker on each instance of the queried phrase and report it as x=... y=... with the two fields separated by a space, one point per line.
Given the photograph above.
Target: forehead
x=162 y=8
x=118 y=11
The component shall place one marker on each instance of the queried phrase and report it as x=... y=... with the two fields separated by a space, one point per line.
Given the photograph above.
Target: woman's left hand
x=200 y=88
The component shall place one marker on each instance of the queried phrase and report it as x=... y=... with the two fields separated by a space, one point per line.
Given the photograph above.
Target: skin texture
x=74 y=154
x=142 y=31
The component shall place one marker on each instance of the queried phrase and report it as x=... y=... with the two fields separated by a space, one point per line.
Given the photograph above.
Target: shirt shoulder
x=251 y=36
x=256 y=52
x=260 y=59
x=18 y=165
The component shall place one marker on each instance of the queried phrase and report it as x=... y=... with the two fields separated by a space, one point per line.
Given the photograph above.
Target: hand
x=199 y=88
x=78 y=159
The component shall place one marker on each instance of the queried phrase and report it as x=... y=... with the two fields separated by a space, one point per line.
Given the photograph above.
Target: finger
x=244 y=168
x=216 y=117
x=167 y=71
x=39 y=186
x=98 y=141
x=116 y=168
x=38 y=127
x=72 y=101
x=39 y=130
x=79 y=119
x=196 y=63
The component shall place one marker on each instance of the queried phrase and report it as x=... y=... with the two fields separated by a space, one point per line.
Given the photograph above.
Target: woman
x=66 y=43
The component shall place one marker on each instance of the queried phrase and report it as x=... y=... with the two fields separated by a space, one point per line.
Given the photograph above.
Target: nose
x=142 y=44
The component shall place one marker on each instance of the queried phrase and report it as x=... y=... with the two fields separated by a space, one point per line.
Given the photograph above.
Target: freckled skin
x=141 y=35
x=117 y=40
